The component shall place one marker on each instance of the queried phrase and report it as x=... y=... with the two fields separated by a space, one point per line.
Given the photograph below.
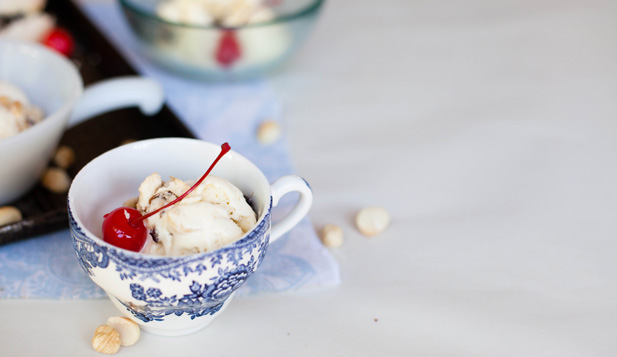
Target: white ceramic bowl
x=54 y=84
x=173 y=295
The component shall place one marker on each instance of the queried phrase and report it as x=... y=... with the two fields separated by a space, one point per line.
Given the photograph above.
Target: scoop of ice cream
x=31 y=27
x=24 y=20
x=229 y=13
x=213 y=215
x=9 y=126
x=13 y=93
x=16 y=7
x=16 y=115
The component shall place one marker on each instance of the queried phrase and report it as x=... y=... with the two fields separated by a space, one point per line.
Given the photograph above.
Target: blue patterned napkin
x=46 y=267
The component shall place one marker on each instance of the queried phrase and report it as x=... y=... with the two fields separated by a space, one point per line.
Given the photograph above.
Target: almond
x=9 y=214
x=372 y=220
x=332 y=235
x=56 y=180
x=268 y=132
x=64 y=157
x=106 y=340
x=128 y=329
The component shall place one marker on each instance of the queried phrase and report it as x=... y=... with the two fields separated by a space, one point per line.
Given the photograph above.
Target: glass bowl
x=199 y=51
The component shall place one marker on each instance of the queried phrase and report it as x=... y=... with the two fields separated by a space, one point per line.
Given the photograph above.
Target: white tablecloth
x=488 y=129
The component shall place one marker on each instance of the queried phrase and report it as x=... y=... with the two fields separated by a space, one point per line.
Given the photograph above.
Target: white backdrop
x=488 y=130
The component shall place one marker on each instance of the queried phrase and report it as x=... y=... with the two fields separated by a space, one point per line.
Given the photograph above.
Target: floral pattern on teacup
x=207 y=279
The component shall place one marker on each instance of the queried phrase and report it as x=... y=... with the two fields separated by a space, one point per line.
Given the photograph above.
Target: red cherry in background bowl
x=60 y=40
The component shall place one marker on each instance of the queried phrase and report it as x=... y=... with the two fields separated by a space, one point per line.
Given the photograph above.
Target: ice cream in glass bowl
x=196 y=252
x=220 y=39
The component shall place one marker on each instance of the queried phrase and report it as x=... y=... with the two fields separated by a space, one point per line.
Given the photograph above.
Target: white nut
x=56 y=180
x=106 y=340
x=332 y=235
x=64 y=157
x=372 y=220
x=128 y=329
x=268 y=132
x=9 y=214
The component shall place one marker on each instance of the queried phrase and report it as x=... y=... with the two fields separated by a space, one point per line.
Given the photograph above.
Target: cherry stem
x=224 y=150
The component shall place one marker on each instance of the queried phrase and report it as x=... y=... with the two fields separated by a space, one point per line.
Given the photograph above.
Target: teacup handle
x=118 y=93
x=281 y=187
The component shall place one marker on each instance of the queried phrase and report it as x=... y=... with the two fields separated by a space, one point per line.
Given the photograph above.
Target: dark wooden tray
x=97 y=59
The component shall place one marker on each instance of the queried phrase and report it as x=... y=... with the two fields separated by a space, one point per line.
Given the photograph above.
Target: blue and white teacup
x=173 y=295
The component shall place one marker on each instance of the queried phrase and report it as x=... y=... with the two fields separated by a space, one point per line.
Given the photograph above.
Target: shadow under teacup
x=54 y=84
x=181 y=294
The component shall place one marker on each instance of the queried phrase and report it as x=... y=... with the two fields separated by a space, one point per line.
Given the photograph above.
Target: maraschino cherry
x=120 y=228
x=228 y=50
x=60 y=40
x=124 y=227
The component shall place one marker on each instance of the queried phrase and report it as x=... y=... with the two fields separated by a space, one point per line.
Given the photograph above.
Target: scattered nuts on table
x=268 y=132
x=129 y=330
x=332 y=235
x=372 y=220
x=56 y=180
x=64 y=157
x=9 y=214
x=106 y=340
